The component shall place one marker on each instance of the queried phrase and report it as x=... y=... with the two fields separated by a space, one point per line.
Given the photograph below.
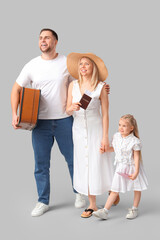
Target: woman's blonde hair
x=94 y=79
x=130 y=118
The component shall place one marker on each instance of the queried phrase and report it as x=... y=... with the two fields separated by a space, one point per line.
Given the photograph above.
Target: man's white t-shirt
x=52 y=78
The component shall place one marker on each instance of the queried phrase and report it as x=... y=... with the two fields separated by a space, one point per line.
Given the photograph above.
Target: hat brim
x=72 y=64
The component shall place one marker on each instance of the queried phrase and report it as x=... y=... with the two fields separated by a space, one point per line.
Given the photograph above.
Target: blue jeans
x=42 y=139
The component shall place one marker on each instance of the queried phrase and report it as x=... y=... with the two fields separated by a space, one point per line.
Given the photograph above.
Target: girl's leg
x=117 y=199
x=133 y=212
x=111 y=199
x=137 y=198
x=103 y=213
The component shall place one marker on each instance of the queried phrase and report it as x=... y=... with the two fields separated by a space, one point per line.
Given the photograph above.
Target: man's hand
x=107 y=88
x=15 y=120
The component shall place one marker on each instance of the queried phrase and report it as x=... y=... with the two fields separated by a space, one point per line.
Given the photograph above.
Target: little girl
x=129 y=174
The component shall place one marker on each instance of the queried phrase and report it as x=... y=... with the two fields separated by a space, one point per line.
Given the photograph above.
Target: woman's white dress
x=93 y=171
x=124 y=161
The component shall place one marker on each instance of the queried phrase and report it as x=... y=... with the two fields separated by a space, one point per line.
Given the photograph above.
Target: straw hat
x=72 y=64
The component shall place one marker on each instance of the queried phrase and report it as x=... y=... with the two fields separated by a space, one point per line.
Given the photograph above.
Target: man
x=49 y=73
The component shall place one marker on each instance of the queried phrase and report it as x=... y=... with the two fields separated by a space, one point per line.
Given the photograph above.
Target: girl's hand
x=104 y=145
x=133 y=176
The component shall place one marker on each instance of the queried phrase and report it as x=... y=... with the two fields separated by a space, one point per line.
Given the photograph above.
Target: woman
x=93 y=170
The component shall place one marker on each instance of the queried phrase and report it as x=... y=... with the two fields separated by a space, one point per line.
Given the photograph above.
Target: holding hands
x=104 y=145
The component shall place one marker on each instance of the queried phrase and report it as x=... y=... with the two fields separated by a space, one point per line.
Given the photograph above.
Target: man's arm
x=14 y=104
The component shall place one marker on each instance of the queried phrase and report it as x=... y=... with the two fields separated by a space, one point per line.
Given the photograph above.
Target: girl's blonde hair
x=94 y=79
x=130 y=118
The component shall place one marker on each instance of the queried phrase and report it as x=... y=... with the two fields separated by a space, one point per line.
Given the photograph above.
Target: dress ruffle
x=122 y=184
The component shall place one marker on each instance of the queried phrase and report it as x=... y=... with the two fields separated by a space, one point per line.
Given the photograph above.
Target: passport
x=85 y=100
x=125 y=175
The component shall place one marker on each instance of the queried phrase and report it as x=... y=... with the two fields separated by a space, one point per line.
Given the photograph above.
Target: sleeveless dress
x=93 y=171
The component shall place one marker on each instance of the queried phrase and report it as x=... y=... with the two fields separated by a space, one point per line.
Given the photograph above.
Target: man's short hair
x=53 y=32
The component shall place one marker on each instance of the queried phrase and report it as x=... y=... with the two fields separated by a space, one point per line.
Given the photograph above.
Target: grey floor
x=63 y=220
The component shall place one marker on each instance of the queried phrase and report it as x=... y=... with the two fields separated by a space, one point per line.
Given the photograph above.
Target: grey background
x=125 y=34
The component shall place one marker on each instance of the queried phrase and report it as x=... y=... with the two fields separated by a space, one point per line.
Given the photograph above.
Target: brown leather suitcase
x=28 y=108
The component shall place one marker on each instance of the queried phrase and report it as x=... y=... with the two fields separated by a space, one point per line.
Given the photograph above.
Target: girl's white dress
x=93 y=171
x=123 y=147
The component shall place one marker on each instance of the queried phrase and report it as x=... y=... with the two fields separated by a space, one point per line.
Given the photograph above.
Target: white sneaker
x=80 y=201
x=132 y=213
x=101 y=213
x=39 y=209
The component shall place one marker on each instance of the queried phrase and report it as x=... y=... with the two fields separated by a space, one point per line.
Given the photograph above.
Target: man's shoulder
x=33 y=61
x=62 y=57
x=61 y=61
x=37 y=59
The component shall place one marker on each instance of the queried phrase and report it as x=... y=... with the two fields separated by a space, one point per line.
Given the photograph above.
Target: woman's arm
x=105 y=120
x=71 y=107
x=136 y=161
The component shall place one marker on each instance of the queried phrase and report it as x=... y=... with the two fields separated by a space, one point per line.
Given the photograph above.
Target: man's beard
x=48 y=50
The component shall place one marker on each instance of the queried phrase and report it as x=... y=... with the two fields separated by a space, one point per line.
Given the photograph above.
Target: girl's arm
x=136 y=160
x=105 y=120
x=71 y=107
x=110 y=149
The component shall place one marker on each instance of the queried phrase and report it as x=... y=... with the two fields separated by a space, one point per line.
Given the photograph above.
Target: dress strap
x=99 y=89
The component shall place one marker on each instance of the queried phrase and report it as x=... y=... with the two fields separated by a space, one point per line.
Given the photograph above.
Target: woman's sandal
x=89 y=215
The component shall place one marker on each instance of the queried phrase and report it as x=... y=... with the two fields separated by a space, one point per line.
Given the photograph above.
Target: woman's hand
x=75 y=106
x=133 y=176
x=104 y=145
